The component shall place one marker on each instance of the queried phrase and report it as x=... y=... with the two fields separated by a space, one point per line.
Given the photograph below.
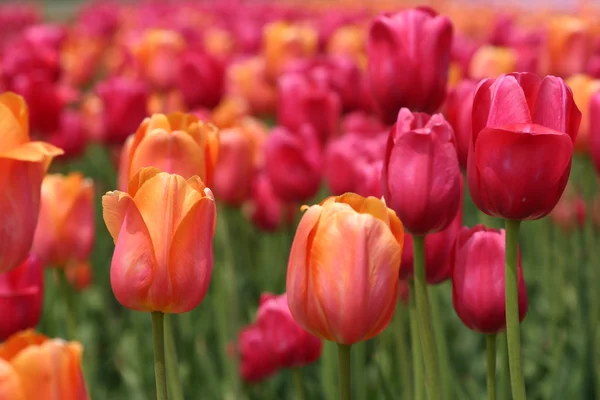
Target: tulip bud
x=421 y=177
x=567 y=45
x=478 y=280
x=284 y=42
x=70 y=135
x=200 y=79
x=293 y=163
x=583 y=87
x=248 y=79
x=163 y=229
x=66 y=225
x=409 y=56
x=457 y=111
x=520 y=151
x=492 y=61
x=23 y=164
x=264 y=208
x=257 y=361
x=342 y=279
x=21 y=296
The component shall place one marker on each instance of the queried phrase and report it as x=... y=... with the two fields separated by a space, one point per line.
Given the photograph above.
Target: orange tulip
x=33 y=366
x=230 y=111
x=350 y=41
x=568 y=45
x=163 y=229
x=23 y=165
x=492 y=61
x=247 y=79
x=177 y=143
x=284 y=42
x=342 y=279
x=65 y=230
x=157 y=54
x=583 y=87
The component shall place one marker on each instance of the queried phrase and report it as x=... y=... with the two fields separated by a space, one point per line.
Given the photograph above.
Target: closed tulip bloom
x=567 y=45
x=45 y=368
x=257 y=361
x=21 y=296
x=409 y=57
x=23 y=164
x=457 y=110
x=520 y=153
x=307 y=99
x=122 y=106
x=240 y=154
x=478 y=280
x=200 y=79
x=163 y=229
x=293 y=163
x=264 y=208
x=583 y=87
x=248 y=79
x=570 y=211
x=157 y=54
x=80 y=274
x=492 y=61
x=342 y=279
x=177 y=143
x=421 y=177
x=70 y=135
x=66 y=225
x=284 y=42
x=362 y=123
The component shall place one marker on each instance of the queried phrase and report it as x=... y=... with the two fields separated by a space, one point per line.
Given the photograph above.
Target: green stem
x=432 y=371
x=589 y=381
x=344 y=371
x=297 y=372
x=504 y=373
x=158 y=335
x=490 y=350
x=402 y=352
x=171 y=360
x=67 y=292
x=415 y=344
x=442 y=345
x=517 y=382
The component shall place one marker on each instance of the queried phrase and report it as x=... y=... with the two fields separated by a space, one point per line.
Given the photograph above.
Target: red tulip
x=438 y=249
x=478 y=276
x=457 y=110
x=264 y=208
x=421 y=177
x=201 y=79
x=293 y=163
x=308 y=100
x=368 y=181
x=520 y=153
x=124 y=107
x=21 y=296
x=257 y=362
x=70 y=135
x=409 y=57
x=570 y=211
x=363 y=123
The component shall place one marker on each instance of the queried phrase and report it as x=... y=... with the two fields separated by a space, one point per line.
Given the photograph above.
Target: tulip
x=80 y=275
x=163 y=229
x=363 y=123
x=457 y=111
x=264 y=208
x=21 y=296
x=284 y=42
x=521 y=147
x=157 y=53
x=492 y=61
x=123 y=104
x=308 y=100
x=248 y=79
x=342 y=279
x=200 y=79
x=177 y=143
x=230 y=111
x=41 y=368
x=583 y=87
x=369 y=178
x=66 y=226
x=409 y=57
x=421 y=177
x=257 y=362
x=70 y=135
x=240 y=153
x=570 y=211
x=567 y=45
x=478 y=280
x=293 y=163
x=349 y=41
x=24 y=164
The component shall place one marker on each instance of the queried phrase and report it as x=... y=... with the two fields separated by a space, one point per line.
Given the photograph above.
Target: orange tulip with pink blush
x=342 y=279
x=33 y=366
x=157 y=53
x=492 y=61
x=284 y=42
x=66 y=226
x=163 y=228
x=583 y=87
x=177 y=143
x=23 y=164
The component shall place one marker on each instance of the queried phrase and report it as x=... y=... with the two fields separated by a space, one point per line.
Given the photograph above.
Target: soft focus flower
x=583 y=87
x=293 y=161
x=567 y=46
x=200 y=79
x=570 y=211
x=123 y=104
x=478 y=276
x=21 y=296
x=248 y=79
x=79 y=274
x=522 y=143
x=230 y=111
x=240 y=154
x=71 y=135
x=80 y=57
x=409 y=56
x=23 y=164
x=163 y=229
x=158 y=53
x=264 y=208
x=66 y=224
x=177 y=143
x=457 y=110
x=349 y=41
x=421 y=177
x=492 y=61
x=342 y=279
x=257 y=362
x=284 y=42
x=362 y=123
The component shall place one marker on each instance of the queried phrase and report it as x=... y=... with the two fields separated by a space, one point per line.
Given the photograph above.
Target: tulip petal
x=140 y=178
x=555 y=107
x=38 y=152
x=10 y=384
x=114 y=210
x=13 y=121
x=79 y=227
x=508 y=104
x=13 y=346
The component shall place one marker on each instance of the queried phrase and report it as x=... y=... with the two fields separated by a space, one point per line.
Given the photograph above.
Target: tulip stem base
x=172 y=365
x=415 y=344
x=67 y=292
x=428 y=344
x=490 y=355
x=158 y=335
x=297 y=372
x=513 y=333
x=344 y=369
